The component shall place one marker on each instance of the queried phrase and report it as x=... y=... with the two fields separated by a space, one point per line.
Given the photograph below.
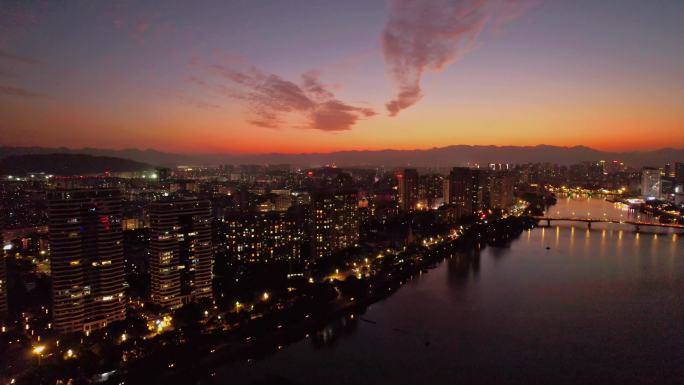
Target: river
x=561 y=305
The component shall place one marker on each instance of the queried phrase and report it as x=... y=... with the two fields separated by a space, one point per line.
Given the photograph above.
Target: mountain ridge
x=67 y=164
x=437 y=156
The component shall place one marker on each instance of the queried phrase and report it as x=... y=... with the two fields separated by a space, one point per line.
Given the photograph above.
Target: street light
x=38 y=350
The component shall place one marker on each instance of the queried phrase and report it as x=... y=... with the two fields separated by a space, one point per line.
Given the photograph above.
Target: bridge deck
x=598 y=220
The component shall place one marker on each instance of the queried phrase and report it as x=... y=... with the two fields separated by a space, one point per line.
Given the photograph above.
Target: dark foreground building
x=3 y=282
x=86 y=258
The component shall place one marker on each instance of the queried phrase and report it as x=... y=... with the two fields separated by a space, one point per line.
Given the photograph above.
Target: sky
x=256 y=76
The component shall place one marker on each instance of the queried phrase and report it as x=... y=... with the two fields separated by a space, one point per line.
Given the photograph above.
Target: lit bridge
x=637 y=224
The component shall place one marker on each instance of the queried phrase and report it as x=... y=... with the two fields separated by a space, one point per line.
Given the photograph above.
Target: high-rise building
x=181 y=254
x=334 y=222
x=261 y=237
x=430 y=191
x=651 y=186
x=499 y=190
x=3 y=280
x=470 y=191
x=408 y=183
x=465 y=191
x=86 y=258
x=679 y=173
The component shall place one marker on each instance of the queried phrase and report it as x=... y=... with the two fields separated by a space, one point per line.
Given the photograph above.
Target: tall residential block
x=464 y=190
x=3 y=280
x=679 y=173
x=408 y=184
x=334 y=222
x=261 y=237
x=86 y=258
x=181 y=254
x=498 y=191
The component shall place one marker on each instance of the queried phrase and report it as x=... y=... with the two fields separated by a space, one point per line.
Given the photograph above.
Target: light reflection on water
x=598 y=306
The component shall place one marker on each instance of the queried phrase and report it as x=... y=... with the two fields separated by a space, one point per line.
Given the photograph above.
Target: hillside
x=67 y=164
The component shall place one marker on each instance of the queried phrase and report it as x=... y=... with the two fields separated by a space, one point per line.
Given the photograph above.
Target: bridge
x=637 y=224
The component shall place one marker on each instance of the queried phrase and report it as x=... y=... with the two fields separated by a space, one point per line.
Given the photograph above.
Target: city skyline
x=243 y=77
x=343 y=192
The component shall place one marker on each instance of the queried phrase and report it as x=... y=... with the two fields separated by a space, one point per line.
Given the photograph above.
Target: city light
x=39 y=349
x=185 y=189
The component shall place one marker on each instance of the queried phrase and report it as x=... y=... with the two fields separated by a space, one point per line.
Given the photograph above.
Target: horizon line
x=173 y=152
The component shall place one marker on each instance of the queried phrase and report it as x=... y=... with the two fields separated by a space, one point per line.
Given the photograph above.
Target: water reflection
x=562 y=305
x=329 y=335
x=463 y=266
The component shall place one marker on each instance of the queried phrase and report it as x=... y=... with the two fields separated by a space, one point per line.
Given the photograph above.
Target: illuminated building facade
x=334 y=222
x=408 y=184
x=473 y=190
x=3 y=281
x=86 y=258
x=262 y=237
x=498 y=193
x=180 y=251
x=651 y=184
x=464 y=190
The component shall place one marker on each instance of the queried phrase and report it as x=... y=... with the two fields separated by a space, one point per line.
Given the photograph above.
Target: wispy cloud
x=275 y=102
x=7 y=74
x=140 y=21
x=428 y=35
x=20 y=17
x=19 y=92
x=14 y=58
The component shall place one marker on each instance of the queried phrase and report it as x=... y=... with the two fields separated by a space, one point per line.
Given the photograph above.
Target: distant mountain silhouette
x=145 y=156
x=440 y=156
x=67 y=164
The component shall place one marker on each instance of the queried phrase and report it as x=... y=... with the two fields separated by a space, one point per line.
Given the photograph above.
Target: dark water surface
x=601 y=306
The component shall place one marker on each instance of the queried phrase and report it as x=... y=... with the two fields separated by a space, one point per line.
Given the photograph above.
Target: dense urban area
x=139 y=276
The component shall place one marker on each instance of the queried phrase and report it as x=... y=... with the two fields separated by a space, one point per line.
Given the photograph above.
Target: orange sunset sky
x=317 y=76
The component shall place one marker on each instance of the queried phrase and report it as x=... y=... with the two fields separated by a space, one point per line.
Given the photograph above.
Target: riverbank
x=195 y=362
x=561 y=305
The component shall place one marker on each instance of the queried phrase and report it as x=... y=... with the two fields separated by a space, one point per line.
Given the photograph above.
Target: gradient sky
x=302 y=76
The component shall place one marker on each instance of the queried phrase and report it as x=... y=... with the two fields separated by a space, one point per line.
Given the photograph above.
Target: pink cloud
x=428 y=35
x=274 y=101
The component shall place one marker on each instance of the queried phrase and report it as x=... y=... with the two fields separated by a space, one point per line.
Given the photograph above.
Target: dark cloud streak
x=10 y=57
x=19 y=92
